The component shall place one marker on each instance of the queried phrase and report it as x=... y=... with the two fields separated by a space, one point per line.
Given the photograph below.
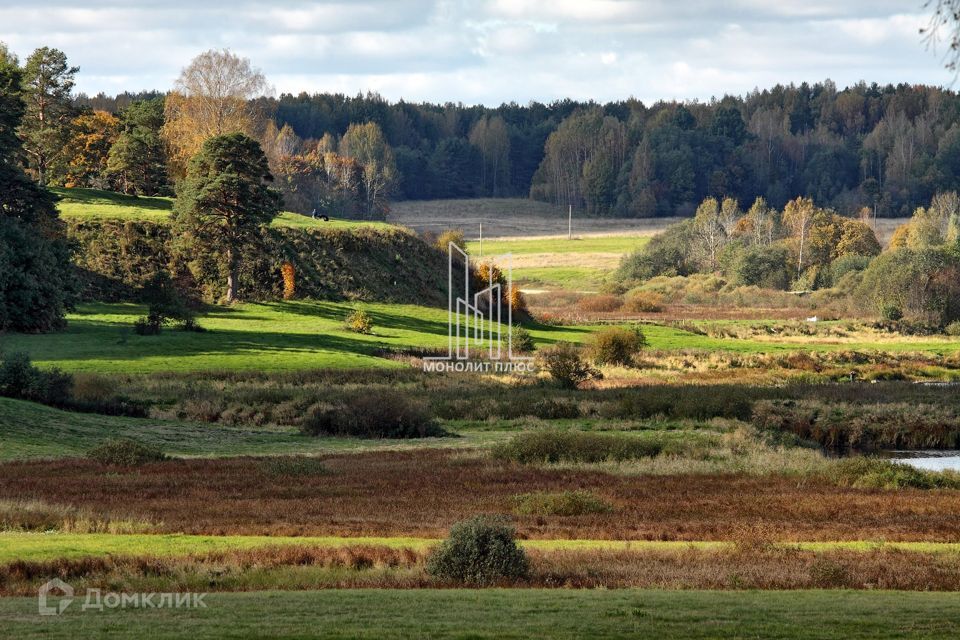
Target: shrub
x=565 y=503
x=617 y=345
x=148 y=325
x=20 y=379
x=953 y=329
x=564 y=364
x=289 y=273
x=600 y=303
x=165 y=304
x=359 y=321
x=762 y=266
x=381 y=415
x=574 y=446
x=125 y=452
x=480 y=551
x=451 y=235
x=488 y=272
x=516 y=299
x=555 y=409
x=521 y=339
x=643 y=302
x=875 y=473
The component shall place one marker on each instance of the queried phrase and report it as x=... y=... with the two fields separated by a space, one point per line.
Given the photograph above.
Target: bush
x=555 y=409
x=125 y=452
x=617 y=345
x=480 y=551
x=600 y=303
x=763 y=267
x=20 y=379
x=565 y=503
x=148 y=325
x=953 y=329
x=381 y=415
x=522 y=340
x=574 y=446
x=564 y=364
x=451 y=235
x=643 y=302
x=359 y=321
x=875 y=473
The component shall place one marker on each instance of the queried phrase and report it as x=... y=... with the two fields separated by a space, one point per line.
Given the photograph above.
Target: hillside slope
x=123 y=241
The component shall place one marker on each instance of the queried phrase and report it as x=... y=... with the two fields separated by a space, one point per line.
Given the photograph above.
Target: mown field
x=94 y=204
x=505 y=613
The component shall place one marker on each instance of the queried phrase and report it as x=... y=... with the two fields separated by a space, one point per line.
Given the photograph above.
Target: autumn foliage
x=289 y=273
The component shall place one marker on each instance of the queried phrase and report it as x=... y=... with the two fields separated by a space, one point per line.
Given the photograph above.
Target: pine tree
x=224 y=203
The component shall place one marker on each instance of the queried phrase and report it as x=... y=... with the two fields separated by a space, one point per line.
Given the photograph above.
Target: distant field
x=582 y=263
x=512 y=614
x=510 y=217
x=93 y=204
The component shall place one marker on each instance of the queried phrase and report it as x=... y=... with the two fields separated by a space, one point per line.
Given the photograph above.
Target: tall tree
x=137 y=160
x=365 y=144
x=224 y=202
x=491 y=137
x=213 y=96
x=35 y=272
x=88 y=149
x=47 y=84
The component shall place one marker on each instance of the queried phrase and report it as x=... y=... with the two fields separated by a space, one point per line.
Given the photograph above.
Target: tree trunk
x=231 y=276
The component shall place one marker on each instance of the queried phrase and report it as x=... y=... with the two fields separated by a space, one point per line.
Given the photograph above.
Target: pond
x=930 y=460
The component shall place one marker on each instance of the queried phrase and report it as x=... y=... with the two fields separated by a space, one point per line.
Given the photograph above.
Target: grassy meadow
x=696 y=492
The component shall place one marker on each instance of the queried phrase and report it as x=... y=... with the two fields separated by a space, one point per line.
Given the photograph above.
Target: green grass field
x=619 y=244
x=510 y=613
x=93 y=204
x=36 y=431
x=300 y=335
x=292 y=335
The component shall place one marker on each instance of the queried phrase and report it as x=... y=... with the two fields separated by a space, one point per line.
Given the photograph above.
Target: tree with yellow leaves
x=212 y=97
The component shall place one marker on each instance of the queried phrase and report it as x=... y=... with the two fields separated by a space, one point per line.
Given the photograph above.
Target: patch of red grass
x=421 y=493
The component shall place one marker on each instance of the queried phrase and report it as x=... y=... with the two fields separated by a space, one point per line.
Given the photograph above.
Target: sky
x=489 y=51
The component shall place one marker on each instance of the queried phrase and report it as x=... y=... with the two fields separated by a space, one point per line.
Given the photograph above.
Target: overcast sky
x=488 y=51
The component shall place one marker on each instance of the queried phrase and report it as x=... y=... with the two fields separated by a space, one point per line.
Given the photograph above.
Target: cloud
x=487 y=51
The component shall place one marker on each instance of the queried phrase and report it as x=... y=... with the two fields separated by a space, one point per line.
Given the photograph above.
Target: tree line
x=887 y=148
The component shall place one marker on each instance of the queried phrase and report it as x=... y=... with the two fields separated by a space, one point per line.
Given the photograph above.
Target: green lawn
x=293 y=335
x=568 y=278
x=591 y=244
x=94 y=204
x=300 y=335
x=31 y=430
x=509 y=613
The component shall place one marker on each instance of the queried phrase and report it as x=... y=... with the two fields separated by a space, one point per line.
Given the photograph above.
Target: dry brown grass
x=421 y=493
x=742 y=566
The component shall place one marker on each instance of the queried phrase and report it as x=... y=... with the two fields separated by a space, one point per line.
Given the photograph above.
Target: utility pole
x=570 y=223
x=481 y=239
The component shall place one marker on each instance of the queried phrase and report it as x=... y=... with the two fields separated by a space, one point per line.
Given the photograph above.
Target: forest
x=887 y=148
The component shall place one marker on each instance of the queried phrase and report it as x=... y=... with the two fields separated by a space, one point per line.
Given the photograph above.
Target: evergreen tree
x=224 y=203
x=35 y=273
x=137 y=159
x=47 y=85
